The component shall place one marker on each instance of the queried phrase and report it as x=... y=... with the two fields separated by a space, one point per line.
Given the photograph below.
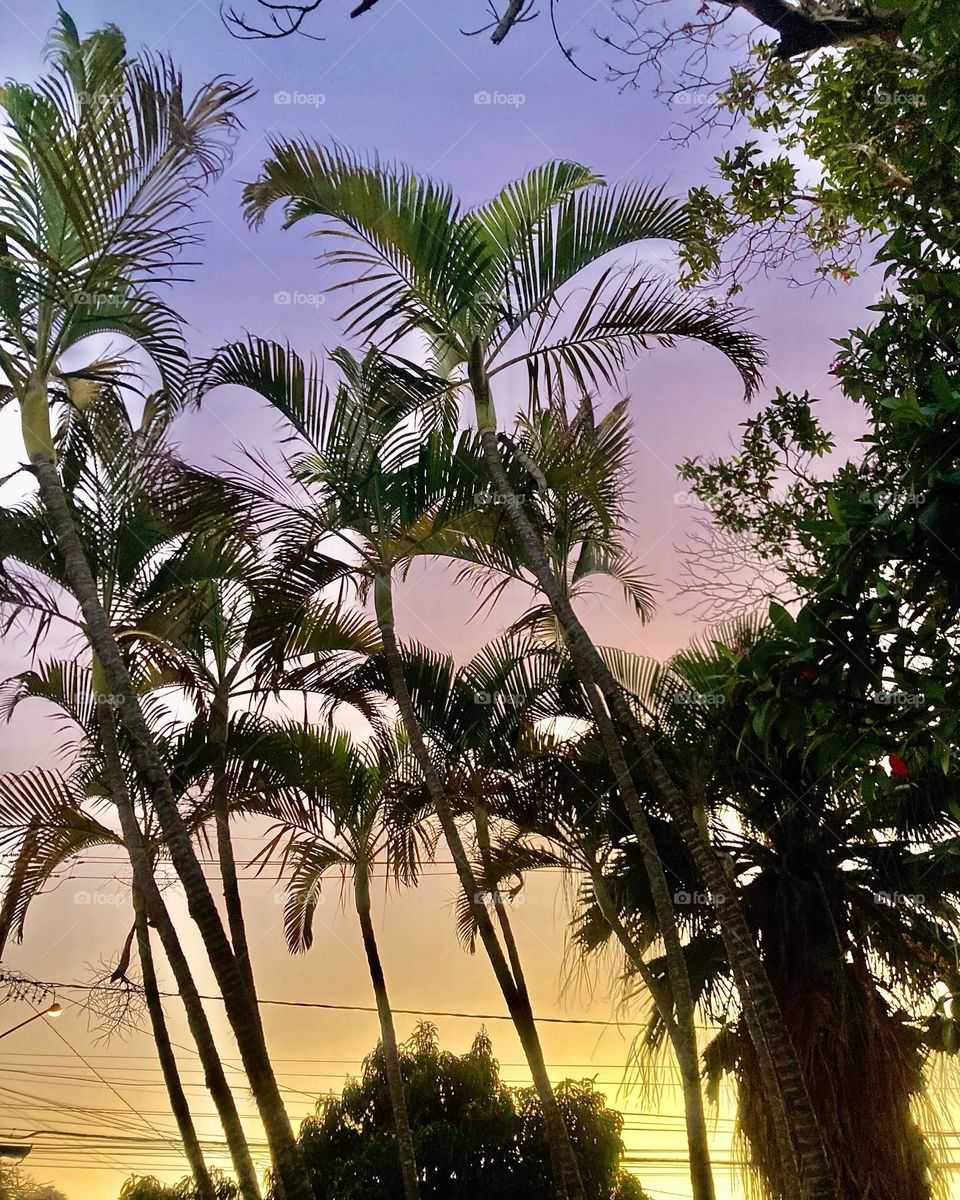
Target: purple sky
x=402 y=82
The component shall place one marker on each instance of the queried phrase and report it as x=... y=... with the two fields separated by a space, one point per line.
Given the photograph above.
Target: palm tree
x=47 y=816
x=519 y=763
x=486 y=288
x=110 y=465
x=105 y=158
x=216 y=621
x=581 y=468
x=337 y=817
x=576 y=467
x=390 y=492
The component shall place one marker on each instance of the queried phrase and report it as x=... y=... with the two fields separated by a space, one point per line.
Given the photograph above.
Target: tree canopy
x=475 y=1137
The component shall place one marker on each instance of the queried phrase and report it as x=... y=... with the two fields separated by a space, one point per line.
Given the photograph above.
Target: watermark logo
x=100 y=899
x=699 y=699
x=697 y=899
x=510 y=699
x=695 y=99
x=314 y=901
x=887 y=99
x=493 y=899
x=899 y=899
x=898 y=699
x=305 y=299
x=487 y=498
x=500 y=99
x=301 y=99
x=897 y=499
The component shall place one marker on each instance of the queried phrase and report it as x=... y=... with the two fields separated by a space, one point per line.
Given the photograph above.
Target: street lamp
x=53 y=1012
x=15 y=1153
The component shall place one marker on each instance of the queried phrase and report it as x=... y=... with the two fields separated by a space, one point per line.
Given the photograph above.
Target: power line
x=365 y=1008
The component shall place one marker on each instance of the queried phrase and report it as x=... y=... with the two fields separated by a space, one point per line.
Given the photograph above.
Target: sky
x=405 y=83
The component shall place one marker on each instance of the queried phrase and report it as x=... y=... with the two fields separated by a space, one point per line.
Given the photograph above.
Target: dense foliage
x=475 y=1138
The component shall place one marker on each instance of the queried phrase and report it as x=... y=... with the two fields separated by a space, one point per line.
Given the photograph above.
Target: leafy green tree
x=849 y=883
x=17 y=1184
x=879 y=118
x=475 y=1138
x=148 y=1187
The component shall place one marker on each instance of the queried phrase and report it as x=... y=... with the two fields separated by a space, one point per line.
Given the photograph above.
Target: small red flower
x=898 y=766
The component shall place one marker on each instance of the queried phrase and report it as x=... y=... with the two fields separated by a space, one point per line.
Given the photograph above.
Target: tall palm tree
x=384 y=491
x=109 y=464
x=486 y=287
x=515 y=762
x=581 y=470
x=48 y=816
x=104 y=159
x=338 y=818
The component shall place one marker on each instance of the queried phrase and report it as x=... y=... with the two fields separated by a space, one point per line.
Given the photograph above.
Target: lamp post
x=14 y=1153
x=9 y=1151
x=53 y=1012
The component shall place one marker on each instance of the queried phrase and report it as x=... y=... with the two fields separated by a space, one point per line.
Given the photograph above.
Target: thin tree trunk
x=482 y=823
x=219 y=726
x=762 y=1012
x=688 y=1061
x=242 y=1013
x=566 y=1171
x=159 y=917
x=179 y=1105
x=684 y=1034
x=388 y=1038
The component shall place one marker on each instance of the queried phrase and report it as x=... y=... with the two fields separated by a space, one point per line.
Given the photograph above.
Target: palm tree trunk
x=684 y=1046
x=566 y=1171
x=219 y=725
x=388 y=1038
x=241 y=1012
x=157 y=915
x=765 y=1020
x=179 y=1105
x=680 y=1001
x=482 y=823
